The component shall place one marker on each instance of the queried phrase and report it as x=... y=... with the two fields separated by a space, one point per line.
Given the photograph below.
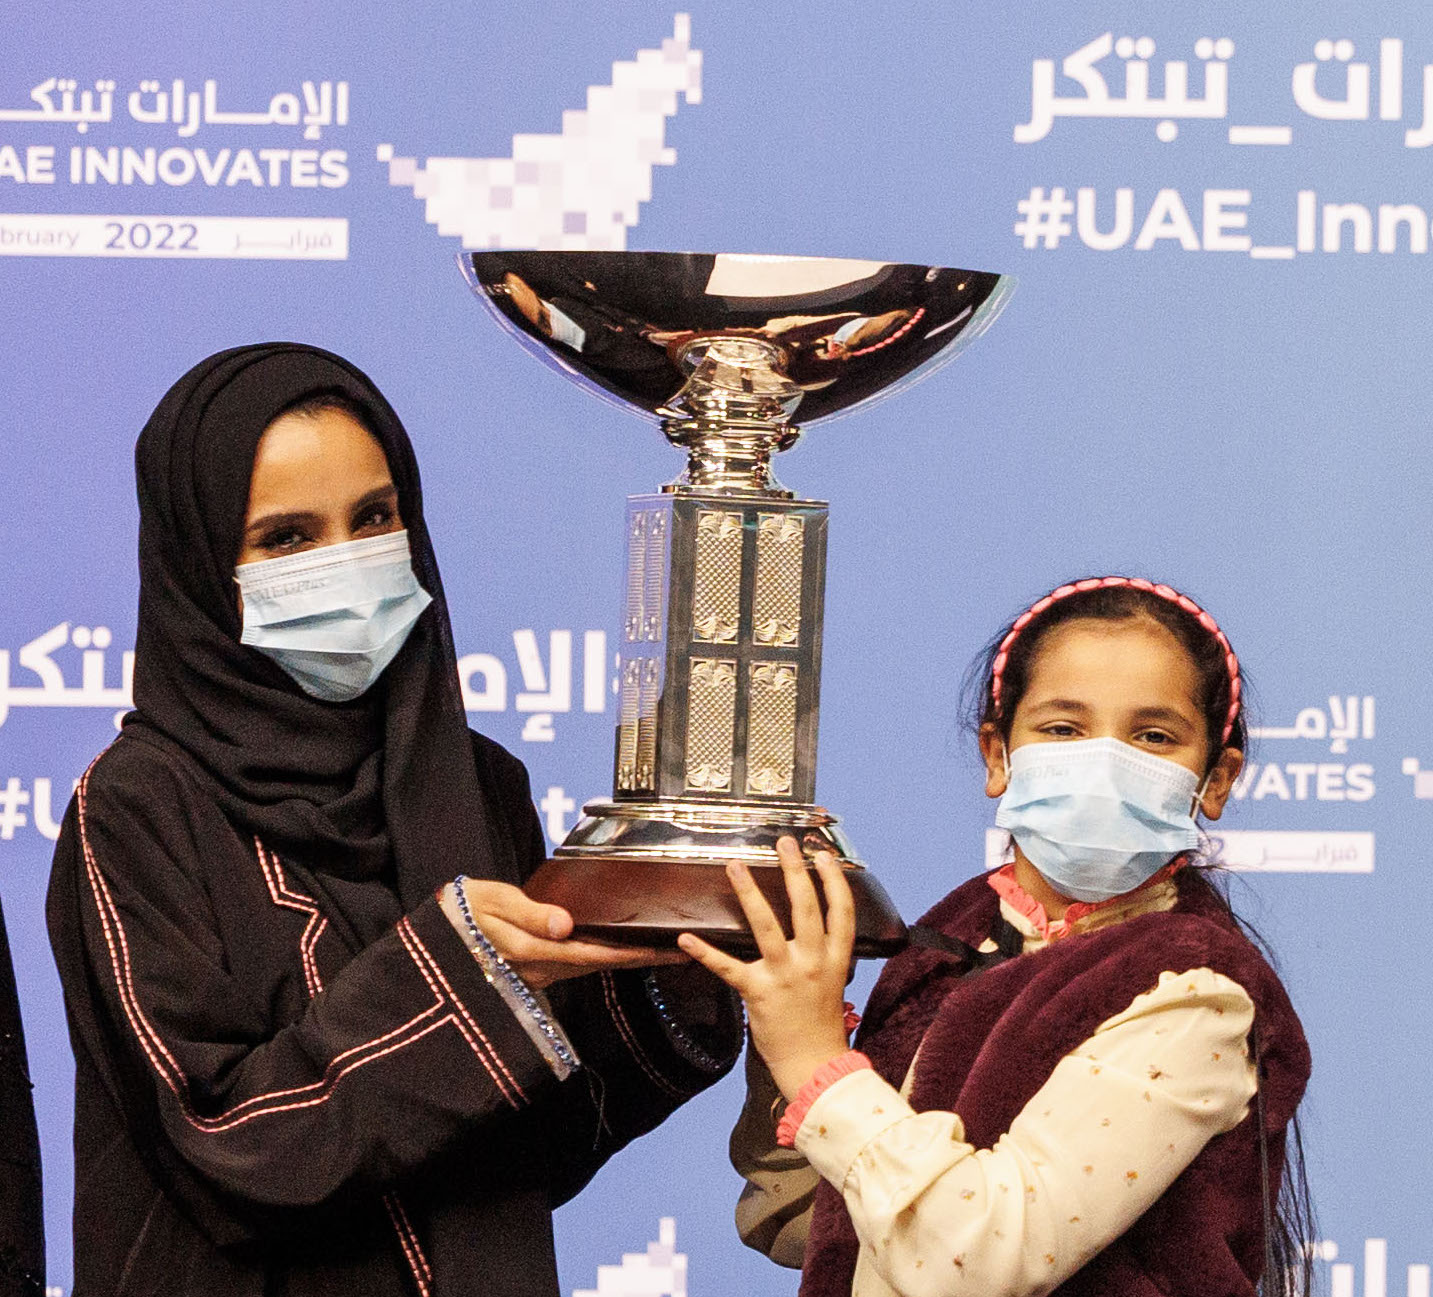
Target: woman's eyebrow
x=379 y=495
x=286 y=519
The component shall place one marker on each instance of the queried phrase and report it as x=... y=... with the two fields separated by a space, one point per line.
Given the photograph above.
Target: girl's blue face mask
x=333 y=617
x=1098 y=817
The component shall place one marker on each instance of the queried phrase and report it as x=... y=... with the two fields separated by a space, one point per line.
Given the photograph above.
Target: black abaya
x=292 y=1076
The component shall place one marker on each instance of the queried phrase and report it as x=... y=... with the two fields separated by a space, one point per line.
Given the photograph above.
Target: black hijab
x=382 y=788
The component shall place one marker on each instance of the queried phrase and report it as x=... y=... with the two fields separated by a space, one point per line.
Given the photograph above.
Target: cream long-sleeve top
x=1116 y=1122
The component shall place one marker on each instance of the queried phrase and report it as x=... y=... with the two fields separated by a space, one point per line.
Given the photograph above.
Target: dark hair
x=1208 y=653
x=1289 y=1265
x=316 y=403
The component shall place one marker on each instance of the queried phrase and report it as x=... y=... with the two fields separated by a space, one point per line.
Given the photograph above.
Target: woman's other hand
x=536 y=939
x=794 y=992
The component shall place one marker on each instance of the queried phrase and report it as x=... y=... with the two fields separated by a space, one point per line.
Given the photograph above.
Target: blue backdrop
x=1214 y=372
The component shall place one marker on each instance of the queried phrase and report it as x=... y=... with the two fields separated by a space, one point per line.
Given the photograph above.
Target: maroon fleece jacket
x=990 y=1042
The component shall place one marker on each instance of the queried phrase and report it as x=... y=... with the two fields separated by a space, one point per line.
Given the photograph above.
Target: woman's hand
x=794 y=992
x=535 y=938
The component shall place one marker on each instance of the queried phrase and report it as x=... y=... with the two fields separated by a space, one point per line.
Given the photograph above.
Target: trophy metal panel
x=720 y=664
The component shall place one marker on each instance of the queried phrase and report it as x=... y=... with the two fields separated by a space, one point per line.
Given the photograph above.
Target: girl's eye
x=1156 y=737
x=1059 y=730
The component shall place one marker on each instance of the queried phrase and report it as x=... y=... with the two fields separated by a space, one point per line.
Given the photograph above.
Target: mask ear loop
x=1005 y=759
x=1196 y=804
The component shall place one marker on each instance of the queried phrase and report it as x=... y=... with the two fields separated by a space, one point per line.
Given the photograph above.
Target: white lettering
x=1271 y=782
x=40 y=164
x=101 y=164
x=1167 y=219
x=12 y=797
x=334 y=165
x=134 y=164
x=1088 y=228
x=211 y=170
x=1307 y=224
x=1218 y=218
x=555 y=807
x=184 y=160
x=276 y=159
x=246 y=167
x=43 y=809
x=303 y=169
x=1391 y=216
x=1304 y=781
x=1336 y=215
x=1302 y=772
x=493 y=697
x=550 y=690
x=1329 y=785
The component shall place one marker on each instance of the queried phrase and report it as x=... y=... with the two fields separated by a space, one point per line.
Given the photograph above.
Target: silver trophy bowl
x=719 y=672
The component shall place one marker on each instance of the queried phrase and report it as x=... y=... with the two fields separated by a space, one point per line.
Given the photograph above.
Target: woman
x=306 y=995
x=1088 y=1092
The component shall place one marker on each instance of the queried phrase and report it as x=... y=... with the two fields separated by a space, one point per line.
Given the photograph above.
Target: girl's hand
x=794 y=992
x=535 y=939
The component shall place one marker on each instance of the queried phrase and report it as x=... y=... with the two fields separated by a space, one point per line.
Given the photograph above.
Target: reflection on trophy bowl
x=722 y=347
x=719 y=674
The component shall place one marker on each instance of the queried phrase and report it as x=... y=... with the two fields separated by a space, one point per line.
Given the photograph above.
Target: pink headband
x=1002 y=656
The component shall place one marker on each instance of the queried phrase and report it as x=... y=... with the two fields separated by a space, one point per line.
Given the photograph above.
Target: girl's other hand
x=536 y=939
x=794 y=992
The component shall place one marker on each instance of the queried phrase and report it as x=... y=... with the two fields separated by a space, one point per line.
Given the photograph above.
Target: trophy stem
x=732 y=413
x=729 y=457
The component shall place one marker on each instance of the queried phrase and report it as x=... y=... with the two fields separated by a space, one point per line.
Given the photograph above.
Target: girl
x=306 y=995
x=1092 y=1095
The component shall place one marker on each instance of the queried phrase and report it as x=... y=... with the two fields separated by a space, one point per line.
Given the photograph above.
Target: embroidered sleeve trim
x=446 y=1010
x=531 y=1011
x=418 y=1264
x=284 y=894
x=613 y=1001
x=687 y=1047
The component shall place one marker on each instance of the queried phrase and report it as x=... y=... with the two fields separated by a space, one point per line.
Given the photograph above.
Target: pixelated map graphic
x=660 y=1271
x=1422 y=779
x=576 y=191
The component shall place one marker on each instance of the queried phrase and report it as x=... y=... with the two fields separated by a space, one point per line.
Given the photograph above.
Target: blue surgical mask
x=333 y=617
x=1098 y=817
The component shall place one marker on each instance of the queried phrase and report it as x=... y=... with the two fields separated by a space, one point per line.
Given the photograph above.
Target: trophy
x=719 y=671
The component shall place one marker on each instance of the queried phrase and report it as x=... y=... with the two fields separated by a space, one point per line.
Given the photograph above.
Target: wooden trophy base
x=650 y=902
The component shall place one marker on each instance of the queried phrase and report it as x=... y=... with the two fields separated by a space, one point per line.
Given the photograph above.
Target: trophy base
x=642 y=873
